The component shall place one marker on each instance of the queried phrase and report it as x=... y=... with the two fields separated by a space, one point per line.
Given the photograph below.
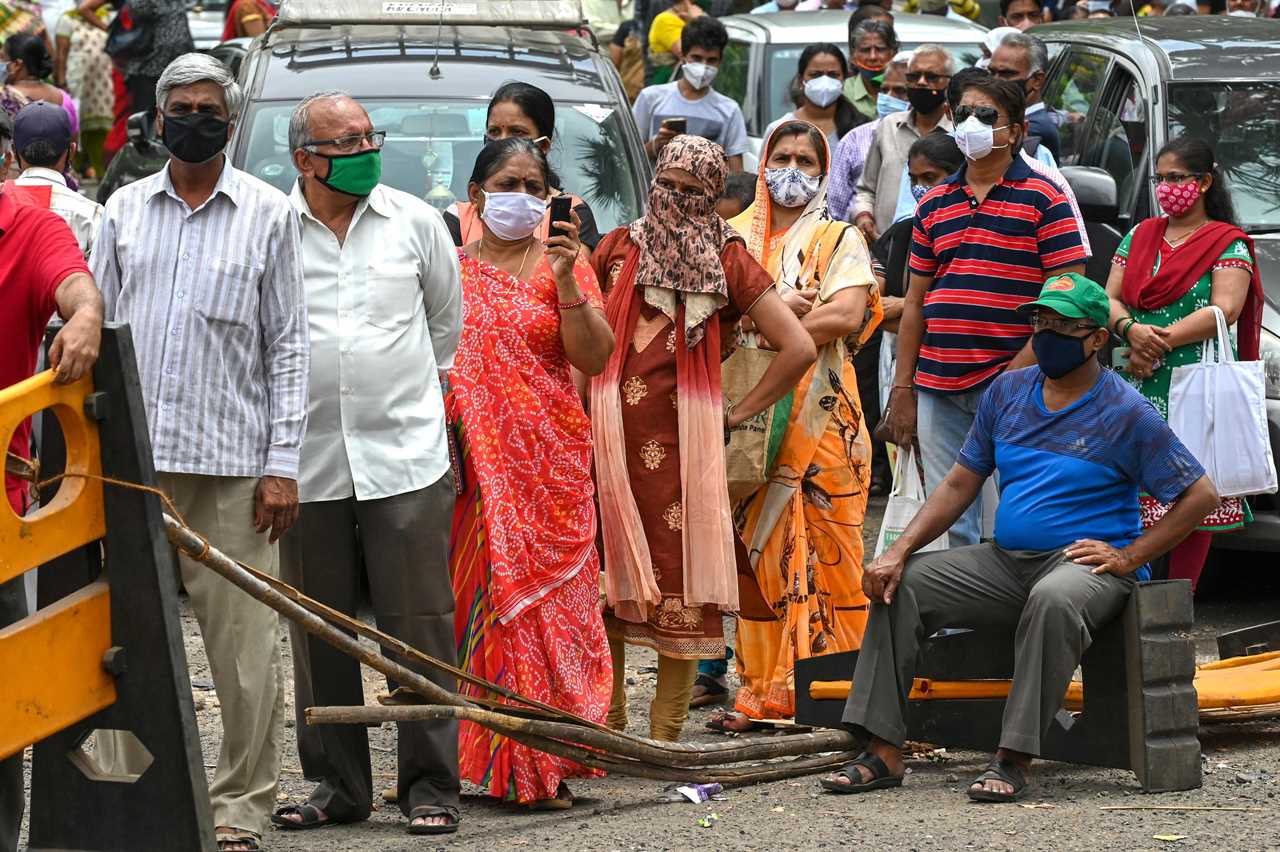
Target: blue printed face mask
x=887 y=104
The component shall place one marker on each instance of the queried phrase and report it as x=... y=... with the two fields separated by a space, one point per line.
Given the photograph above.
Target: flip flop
x=718 y=724
x=425 y=811
x=881 y=778
x=1000 y=770
x=311 y=818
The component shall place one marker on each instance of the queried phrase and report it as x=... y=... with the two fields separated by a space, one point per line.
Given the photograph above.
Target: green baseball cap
x=1073 y=295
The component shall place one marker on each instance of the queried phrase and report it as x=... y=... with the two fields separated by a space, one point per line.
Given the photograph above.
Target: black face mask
x=925 y=100
x=195 y=138
x=1058 y=354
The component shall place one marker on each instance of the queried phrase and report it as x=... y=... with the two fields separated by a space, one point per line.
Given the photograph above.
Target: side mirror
x=1095 y=191
x=140 y=128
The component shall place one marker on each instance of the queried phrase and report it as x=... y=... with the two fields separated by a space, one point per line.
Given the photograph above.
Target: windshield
x=782 y=68
x=1242 y=123
x=431 y=148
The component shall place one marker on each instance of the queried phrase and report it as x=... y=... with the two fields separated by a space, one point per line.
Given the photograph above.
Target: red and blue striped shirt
x=986 y=259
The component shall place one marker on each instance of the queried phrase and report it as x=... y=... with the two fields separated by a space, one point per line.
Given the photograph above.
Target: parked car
x=206 y=19
x=764 y=49
x=1123 y=93
x=428 y=86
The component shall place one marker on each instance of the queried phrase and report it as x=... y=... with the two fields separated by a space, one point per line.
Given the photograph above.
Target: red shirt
x=37 y=253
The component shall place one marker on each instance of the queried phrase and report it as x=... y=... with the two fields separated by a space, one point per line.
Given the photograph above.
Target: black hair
x=41 y=152
x=958 y=80
x=495 y=155
x=799 y=128
x=846 y=116
x=938 y=148
x=1007 y=94
x=867 y=12
x=740 y=187
x=705 y=32
x=1180 y=9
x=532 y=101
x=31 y=52
x=6 y=126
x=1196 y=155
x=1005 y=4
x=880 y=28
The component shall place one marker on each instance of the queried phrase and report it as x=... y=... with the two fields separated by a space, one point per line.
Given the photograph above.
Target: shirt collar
x=42 y=174
x=1035 y=107
x=228 y=184
x=377 y=202
x=1018 y=170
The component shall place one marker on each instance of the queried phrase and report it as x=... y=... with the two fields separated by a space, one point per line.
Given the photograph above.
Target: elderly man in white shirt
x=43 y=145
x=203 y=261
x=385 y=306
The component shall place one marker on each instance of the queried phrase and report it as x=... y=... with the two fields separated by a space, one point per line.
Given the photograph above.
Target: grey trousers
x=1052 y=606
x=402 y=542
x=13 y=608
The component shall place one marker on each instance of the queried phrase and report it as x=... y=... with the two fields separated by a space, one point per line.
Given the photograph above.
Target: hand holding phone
x=676 y=125
x=561 y=211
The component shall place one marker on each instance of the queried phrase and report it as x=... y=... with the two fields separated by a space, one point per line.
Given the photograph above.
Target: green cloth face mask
x=353 y=174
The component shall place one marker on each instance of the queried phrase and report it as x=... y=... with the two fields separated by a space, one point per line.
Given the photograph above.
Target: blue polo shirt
x=986 y=260
x=1075 y=473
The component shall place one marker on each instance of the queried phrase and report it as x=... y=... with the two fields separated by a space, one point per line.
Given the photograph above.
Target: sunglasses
x=987 y=115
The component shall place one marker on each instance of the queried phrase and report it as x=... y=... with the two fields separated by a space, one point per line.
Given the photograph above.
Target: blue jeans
x=942 y=424
x=716 y=668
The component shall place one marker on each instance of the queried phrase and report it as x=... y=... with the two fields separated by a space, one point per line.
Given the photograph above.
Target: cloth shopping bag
x=1218 y=409
x=752 y=444
x=905 y=500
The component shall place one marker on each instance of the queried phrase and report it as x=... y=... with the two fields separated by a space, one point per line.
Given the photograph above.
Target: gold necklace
x=1176 y=240
x=519 y=272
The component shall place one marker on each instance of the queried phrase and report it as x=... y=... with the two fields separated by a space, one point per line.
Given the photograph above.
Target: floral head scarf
x=681 y=237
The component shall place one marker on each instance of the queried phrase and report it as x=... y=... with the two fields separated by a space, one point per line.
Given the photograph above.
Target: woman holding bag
x=803 y=527
x=1166 y=274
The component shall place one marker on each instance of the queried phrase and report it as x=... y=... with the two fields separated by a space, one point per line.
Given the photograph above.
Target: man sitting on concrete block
x=1072 y=445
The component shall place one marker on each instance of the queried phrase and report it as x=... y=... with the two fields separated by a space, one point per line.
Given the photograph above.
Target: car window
x=1242 y=123
x=431 y=149
x=1117 y=137
x=1073 y=93
x=731 y=80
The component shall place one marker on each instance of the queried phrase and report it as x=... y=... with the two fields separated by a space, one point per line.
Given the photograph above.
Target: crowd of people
x=515 y=427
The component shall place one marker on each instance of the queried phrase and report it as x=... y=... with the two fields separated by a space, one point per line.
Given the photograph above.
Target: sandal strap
x=1006 y=771
x=873 y=763
x=427 y=811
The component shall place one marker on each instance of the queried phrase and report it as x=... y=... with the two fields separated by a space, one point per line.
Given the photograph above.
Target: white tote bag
x=904 y=502
x=1218 y=409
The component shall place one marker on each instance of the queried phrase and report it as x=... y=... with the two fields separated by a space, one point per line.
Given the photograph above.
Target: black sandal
x=1000 y=770
x=881 y=778
x=427 y=811
x=311 y=818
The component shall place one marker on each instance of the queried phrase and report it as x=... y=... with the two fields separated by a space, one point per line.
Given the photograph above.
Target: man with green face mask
x=384 y=304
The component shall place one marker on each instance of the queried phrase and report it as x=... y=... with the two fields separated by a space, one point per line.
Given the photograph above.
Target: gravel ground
x=1063 y=810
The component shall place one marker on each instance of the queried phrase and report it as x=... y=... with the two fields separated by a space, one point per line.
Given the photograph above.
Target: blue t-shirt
x=1074 y=474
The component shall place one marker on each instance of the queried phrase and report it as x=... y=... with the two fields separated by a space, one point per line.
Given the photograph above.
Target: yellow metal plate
x=75 y=516
x=52 y=665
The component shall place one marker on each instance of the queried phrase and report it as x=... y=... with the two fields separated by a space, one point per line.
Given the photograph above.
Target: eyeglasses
x=987 y=115
x=1175 y=177
x=933 y=81
x=691 y=191
x=347 y=144
x=1040 y=322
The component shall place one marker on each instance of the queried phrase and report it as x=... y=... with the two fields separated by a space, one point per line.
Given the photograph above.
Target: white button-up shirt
x=81 y=214
x=385 y=311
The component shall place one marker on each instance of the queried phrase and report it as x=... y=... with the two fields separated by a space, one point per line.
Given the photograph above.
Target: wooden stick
x=1177 y=808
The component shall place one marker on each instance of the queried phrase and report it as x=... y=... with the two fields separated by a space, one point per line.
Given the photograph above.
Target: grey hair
x=191 y=68
x=939 y=50
x=300 y=121
x=1037 y=53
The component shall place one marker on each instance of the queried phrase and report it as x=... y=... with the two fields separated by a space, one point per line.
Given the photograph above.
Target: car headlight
x=1271 y=363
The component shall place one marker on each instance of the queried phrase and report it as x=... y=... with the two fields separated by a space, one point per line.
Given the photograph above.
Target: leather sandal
x=311 y=818
x=427 y=811
x=1000 y=770
x=881 y=777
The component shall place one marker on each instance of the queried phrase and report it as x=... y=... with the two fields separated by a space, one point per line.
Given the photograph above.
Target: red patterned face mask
x=1176 y=199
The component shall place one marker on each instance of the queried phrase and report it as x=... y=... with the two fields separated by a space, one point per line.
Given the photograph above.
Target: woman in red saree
x=524 y=560
x=679 y=279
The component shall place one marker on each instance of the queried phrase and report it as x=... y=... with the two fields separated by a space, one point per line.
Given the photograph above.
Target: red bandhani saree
x=523 y=557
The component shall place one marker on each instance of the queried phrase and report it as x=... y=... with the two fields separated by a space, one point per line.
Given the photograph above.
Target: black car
x=1125 y=86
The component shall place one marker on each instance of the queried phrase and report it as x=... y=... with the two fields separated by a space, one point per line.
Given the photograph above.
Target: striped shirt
x=215 y=300
x=985 y=260
x=846 y=168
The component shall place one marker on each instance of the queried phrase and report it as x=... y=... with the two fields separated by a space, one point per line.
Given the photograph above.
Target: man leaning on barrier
x=1072 y=444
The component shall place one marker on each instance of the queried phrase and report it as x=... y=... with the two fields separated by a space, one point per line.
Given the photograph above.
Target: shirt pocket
x=232 y=297
x=392 y=294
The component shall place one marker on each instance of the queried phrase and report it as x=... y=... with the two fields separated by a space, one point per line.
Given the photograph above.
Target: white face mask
x=975 y=139
x=823 y=91
x=1242 y=13
x=512 y=215
x=699 y=75
x=791 y=187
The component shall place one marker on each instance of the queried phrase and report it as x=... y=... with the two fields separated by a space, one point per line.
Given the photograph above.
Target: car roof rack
x=529 y=14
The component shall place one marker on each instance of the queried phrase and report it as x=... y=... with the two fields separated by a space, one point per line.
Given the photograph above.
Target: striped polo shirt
x=985 y=260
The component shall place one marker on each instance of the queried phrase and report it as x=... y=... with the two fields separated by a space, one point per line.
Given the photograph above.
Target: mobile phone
x=676 y=125
x=561 y=211
x=1120 y=357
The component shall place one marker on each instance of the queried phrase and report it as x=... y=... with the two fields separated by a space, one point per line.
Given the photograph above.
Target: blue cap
x=42 y=120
